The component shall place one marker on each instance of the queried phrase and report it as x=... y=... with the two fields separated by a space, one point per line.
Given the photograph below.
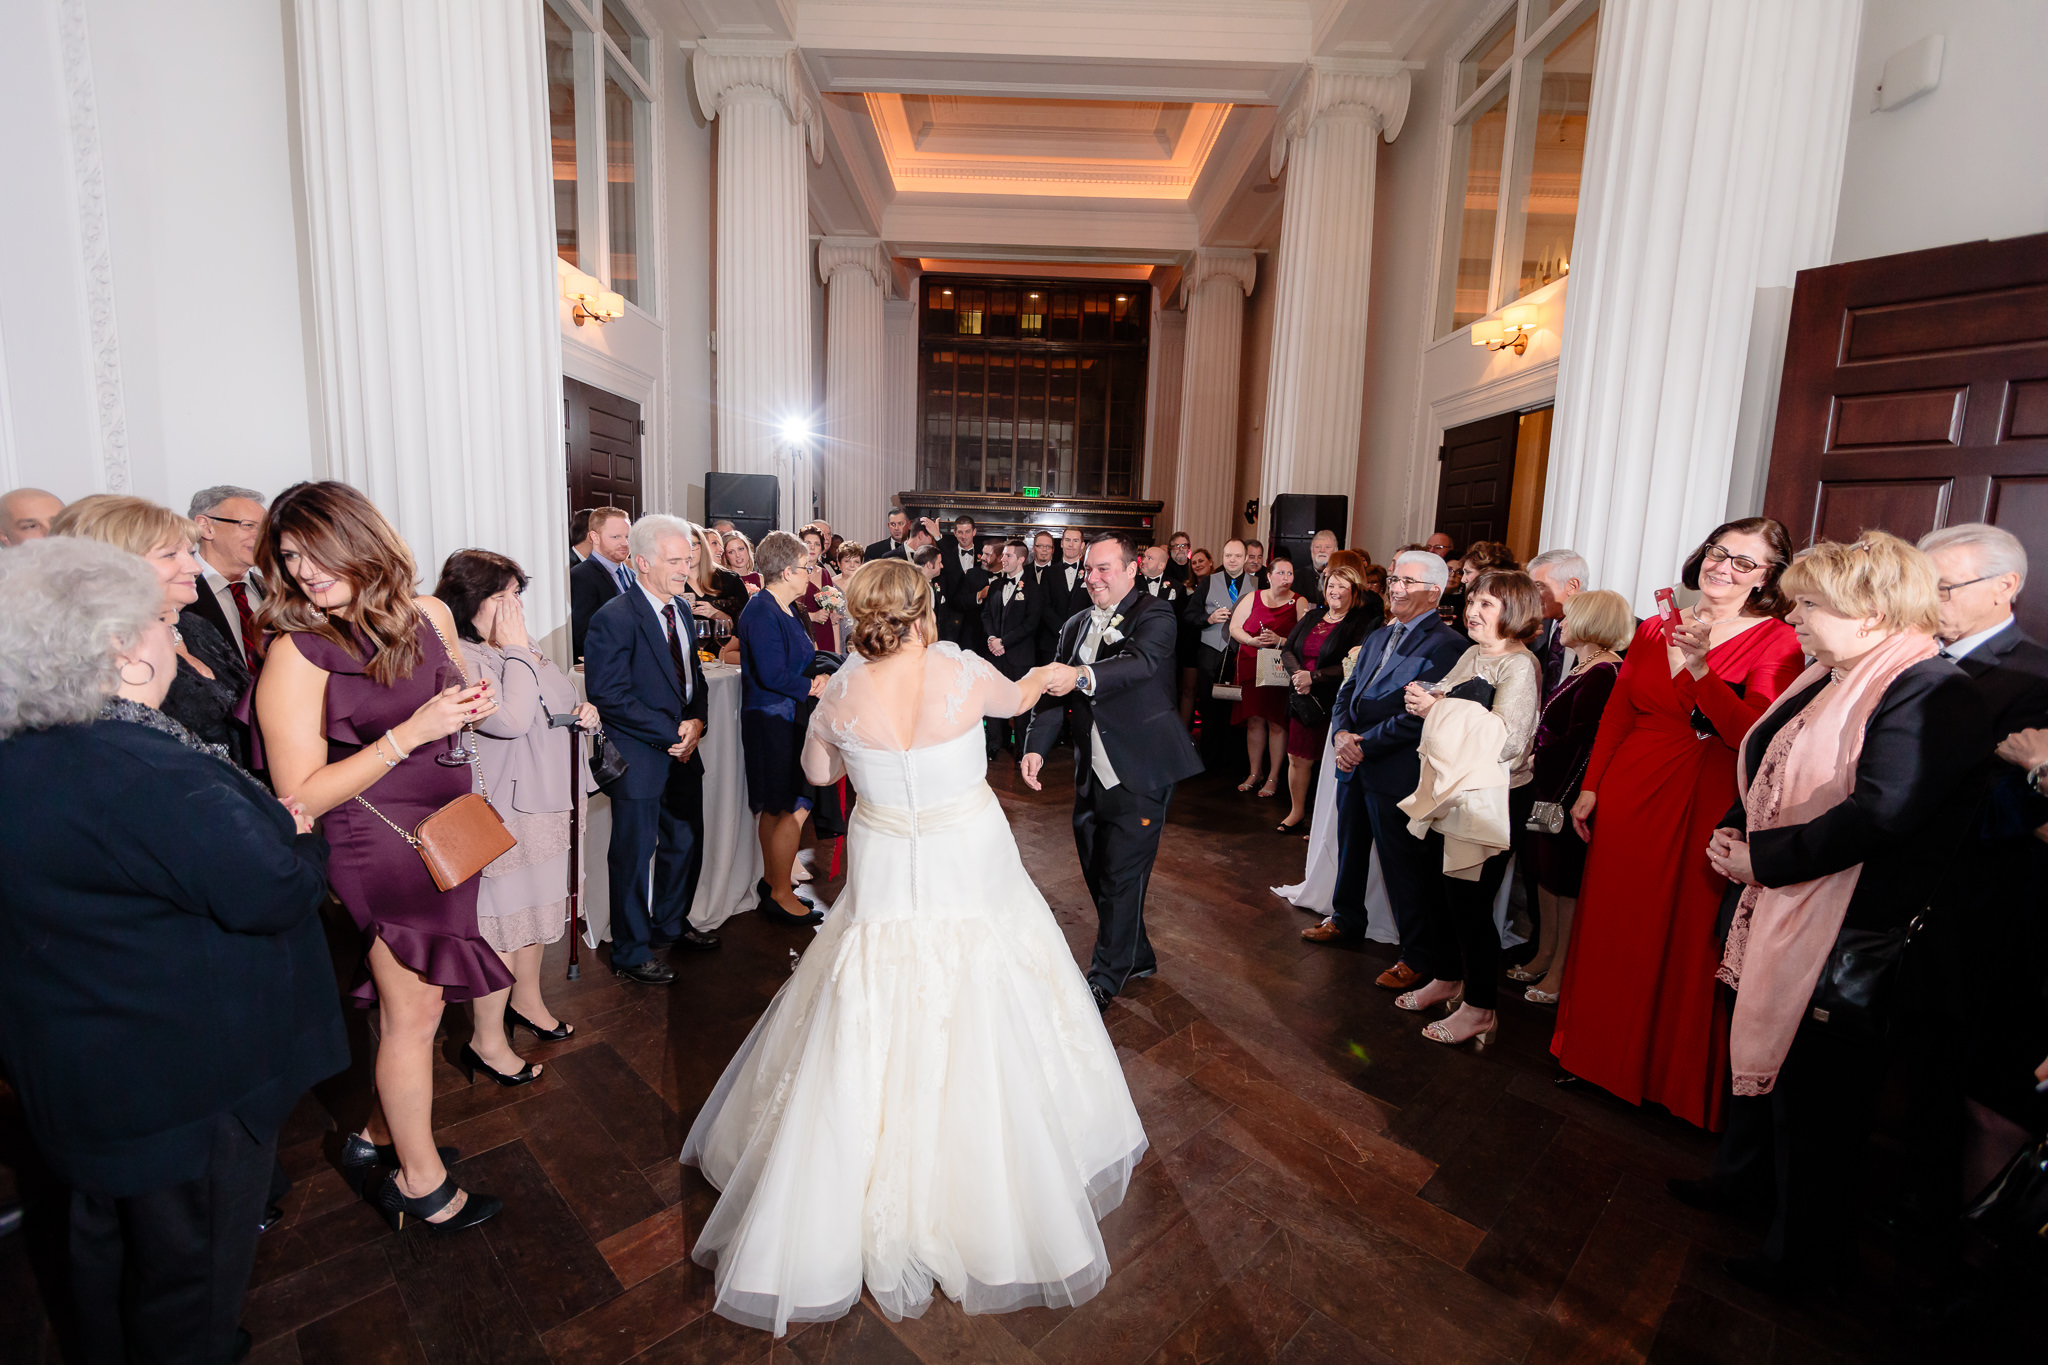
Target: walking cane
x=568 y=722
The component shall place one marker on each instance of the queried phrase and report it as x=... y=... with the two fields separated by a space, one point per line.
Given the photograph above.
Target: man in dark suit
x=1559 y=576
x=962 y=555
x=230 y=522
x=1115 y=667
x=973 y=592
x=603 y=576
x=895 y=544
x=580 y=547
x=1377 y=766
x=1308 y=579
x=1066 y=590
x=1009 y=629
x=945 y=607
x=1179 y=548
x=642 y=674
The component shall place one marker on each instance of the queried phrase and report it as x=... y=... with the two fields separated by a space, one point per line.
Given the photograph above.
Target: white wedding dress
x=931 y=1098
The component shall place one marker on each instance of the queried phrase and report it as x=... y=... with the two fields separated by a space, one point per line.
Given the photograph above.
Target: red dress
x=1266 y=703
x=1639 y=1013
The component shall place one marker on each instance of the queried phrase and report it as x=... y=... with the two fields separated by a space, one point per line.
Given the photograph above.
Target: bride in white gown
x=931 y=1098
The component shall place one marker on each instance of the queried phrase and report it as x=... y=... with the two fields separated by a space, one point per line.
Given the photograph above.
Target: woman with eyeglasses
x=1640 y=1014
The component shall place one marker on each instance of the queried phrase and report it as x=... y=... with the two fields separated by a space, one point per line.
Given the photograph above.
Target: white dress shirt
x=1091 y=641
x=217 y=584
x=1961 y=649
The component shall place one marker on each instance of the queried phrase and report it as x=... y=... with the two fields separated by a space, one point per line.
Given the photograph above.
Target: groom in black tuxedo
x=1114 y=667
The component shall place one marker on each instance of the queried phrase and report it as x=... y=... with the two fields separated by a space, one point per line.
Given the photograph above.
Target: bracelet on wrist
x=392 y=735
x=2034 y=776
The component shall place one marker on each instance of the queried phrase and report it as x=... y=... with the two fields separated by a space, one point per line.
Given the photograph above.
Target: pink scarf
x=1781 y=936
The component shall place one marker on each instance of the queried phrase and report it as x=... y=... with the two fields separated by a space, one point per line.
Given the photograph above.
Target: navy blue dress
x=775 y=649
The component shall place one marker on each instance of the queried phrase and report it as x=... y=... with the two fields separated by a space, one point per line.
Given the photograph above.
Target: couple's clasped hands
x=1055 y=680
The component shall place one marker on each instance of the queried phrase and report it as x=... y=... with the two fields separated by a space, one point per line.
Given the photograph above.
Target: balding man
x=25 y=515
x=1439 y=544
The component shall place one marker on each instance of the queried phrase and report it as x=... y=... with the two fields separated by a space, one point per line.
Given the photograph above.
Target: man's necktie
x=1386 y=655
x=1234 y=585
x=625 y=577
x=251 y=649
x=678 y=641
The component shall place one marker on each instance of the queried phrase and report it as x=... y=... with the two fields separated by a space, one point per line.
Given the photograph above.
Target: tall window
x=601 y=99
x=1522 y=90
x=1036 y=384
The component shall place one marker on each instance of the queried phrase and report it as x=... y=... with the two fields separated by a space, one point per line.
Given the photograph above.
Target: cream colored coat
x=1463 y=793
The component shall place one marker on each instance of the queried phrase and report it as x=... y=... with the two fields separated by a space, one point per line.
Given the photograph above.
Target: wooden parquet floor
x=1323 y=1184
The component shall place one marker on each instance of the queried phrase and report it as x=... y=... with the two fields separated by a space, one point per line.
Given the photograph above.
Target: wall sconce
x=1511 y=329
x=593 y=302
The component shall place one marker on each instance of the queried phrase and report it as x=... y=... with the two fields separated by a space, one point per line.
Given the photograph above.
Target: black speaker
x=1298 y=516
x=746 y=500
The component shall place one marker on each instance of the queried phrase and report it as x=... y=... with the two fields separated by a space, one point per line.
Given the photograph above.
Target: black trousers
x=1414 y=883
x=1116 y=832
x=667 y=832
x=1804 y=1144
x=160 y=1276
x=1464 y=943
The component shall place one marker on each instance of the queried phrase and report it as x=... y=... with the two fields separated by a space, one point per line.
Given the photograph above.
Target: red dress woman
x=1640 y=1014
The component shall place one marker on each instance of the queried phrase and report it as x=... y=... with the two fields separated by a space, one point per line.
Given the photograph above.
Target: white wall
x=1965 y=161
x=194 y=128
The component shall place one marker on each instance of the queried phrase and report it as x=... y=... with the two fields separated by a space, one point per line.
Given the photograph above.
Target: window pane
x=1031 y=322
x=1487 y=56
x=1059 y=426
x=938 y=419
x=968 y=423
x=561 y=66
x=938 y=311
x=1092 y=423
x=1002 y=419
x=622 y=28
x=624 y=137
x=1030 y=422
x=973 y=305
x=1476 y=146
x=1550 y=150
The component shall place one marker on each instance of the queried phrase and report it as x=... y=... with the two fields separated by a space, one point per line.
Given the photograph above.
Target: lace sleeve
x=830 y=732
x=1517 y=689
x=977 y=689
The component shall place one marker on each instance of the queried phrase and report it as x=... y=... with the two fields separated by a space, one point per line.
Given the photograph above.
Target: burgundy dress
x=1266 y=703
x=376 y=874
x=1304 y=741
x=823 y=634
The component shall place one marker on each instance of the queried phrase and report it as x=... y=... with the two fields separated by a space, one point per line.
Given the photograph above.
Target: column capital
x=1219 y=263
x=855 y=253
x=726 y=69
x=1368 y=87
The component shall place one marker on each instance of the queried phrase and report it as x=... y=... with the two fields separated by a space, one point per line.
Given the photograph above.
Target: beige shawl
x=1463 y=791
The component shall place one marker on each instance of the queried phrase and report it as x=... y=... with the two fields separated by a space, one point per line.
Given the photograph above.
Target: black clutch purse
x=1703 y=727
x=1304 y=707
x=607 y=764
x=1853 y=997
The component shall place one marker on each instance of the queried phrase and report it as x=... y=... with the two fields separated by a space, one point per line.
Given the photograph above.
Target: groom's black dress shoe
x=695 y=940
x=1102 y=999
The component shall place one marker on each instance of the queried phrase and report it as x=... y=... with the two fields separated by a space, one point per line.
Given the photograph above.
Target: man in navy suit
x=1377 y=764
x=603 y=576
x=642 y=674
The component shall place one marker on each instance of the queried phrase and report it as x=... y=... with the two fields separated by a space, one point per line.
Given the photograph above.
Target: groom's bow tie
x=1099 y=616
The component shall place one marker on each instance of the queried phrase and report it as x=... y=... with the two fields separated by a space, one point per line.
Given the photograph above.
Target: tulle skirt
x=931 y=1099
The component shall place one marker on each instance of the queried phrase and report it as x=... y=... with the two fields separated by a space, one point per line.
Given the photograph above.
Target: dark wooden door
x=1915 y=396
x=1478 y=479
x=602 y=433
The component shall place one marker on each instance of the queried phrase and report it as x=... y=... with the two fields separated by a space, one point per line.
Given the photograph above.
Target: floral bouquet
x=832 y=600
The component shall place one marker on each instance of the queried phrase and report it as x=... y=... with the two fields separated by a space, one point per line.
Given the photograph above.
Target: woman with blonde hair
x=212 y=674
x=359 y=713
x=1851 y=807
x=937 y=1016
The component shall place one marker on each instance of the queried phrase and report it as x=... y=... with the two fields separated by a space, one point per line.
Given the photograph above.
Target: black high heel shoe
x=772 y=910
x=561 y=1032
x=397 y=1206
x=471 y=1064
x=360 y=1157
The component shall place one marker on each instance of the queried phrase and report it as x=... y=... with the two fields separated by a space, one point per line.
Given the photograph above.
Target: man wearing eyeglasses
x=1377 y=765
x=230 y=522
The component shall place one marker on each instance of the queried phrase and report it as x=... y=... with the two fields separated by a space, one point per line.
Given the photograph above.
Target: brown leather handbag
x=459 y=840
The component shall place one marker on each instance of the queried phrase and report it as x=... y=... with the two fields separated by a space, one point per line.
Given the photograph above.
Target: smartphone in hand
x=1667 y=607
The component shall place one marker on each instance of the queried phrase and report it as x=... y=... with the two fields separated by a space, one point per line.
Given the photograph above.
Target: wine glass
x=458 y=754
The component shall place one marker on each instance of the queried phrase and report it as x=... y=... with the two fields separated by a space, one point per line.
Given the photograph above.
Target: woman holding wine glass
x=360 y=713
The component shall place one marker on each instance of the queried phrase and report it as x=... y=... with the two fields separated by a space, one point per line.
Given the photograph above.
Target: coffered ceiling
x=1116 y=132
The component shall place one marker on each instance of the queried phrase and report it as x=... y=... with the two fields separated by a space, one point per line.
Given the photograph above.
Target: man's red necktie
x=251 y=645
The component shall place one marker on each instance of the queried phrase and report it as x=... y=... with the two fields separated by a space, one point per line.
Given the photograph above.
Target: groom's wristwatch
x=1084 y=682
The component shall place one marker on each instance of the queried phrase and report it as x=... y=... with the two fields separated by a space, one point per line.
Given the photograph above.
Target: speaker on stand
x=1296 y=519
x=745 y=500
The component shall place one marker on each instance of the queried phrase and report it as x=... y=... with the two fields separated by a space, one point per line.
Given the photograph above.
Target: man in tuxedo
x=945 y=606
x=642 y=674
x=580 y=547
x=603 y=576
x=894 y=545
x=973 y=594
x=1559 y=575
x=1153 y=580
x=963 y=557
x=1115 y=668
x=1377 y=766
x=230 y=522
x=1009 y=628
x=1066 y=590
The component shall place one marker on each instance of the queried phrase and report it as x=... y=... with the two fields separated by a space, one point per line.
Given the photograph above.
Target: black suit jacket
x=1061 y=602
x=951 y=571
x=162 y=959
x=947 y=609
x=885 y=549
x=1377 y=711
x=207 y=607
x=1907 y=812
x=1135 y=702
x=1328 y=674
x=1015 y=624
x=2010 y=672
x=591 y=585
x=631 y=678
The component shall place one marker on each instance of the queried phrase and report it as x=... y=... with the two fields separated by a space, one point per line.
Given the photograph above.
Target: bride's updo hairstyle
x=889 y=599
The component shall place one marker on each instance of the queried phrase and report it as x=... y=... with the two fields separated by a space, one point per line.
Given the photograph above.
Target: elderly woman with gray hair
x=165 y=990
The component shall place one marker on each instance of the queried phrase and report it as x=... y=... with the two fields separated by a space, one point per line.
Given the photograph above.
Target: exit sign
x=1031 y=490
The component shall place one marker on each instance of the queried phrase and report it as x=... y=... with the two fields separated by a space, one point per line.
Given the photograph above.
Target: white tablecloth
x=732 y=850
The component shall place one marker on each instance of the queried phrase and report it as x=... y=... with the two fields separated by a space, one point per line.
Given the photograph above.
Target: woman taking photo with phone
x=359 y=713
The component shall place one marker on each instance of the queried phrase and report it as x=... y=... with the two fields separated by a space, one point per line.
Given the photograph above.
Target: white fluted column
x=852 y=450
x=899 y=396
x=1713 y=168
x=1215 y=288
x=1165 y=359
x=430 y=215
x=1328 y=142
x=766 y=111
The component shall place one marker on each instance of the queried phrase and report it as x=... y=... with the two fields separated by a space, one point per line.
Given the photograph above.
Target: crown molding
x=726 y=69
x=1372 y=88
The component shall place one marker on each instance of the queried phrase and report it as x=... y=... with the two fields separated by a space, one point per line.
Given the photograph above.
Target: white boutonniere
x=1113 y=635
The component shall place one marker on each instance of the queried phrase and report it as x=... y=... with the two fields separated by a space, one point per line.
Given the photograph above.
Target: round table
x=731 y=861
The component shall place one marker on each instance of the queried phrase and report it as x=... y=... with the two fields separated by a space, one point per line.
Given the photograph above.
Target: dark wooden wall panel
x=1915 y=396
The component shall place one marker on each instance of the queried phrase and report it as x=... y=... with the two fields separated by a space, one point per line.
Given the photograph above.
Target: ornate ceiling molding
x=1343 y=87
x=1217 y=263
x=96 y=250
x=728 y=69
x=855 y=253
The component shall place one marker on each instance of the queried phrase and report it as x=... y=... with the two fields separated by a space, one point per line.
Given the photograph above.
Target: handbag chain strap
x=475 y=766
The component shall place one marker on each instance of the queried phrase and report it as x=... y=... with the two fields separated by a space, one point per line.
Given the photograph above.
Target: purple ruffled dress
x=376 y=874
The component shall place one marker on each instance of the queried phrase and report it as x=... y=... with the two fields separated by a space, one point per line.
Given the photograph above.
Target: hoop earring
x=126 y=681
